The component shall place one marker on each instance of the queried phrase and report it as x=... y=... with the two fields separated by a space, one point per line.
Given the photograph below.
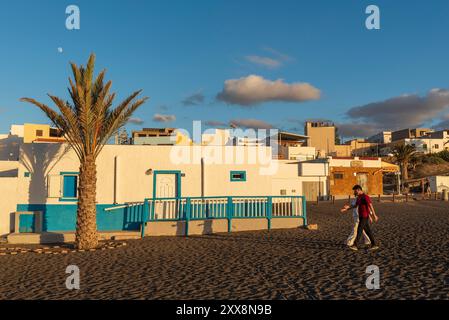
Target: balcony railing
x=204 y=208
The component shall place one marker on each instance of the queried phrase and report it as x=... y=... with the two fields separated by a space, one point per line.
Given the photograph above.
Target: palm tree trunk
x=405 y=171
x=86 y=222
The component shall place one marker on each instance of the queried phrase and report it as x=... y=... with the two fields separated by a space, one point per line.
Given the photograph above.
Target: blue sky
x=368 y=79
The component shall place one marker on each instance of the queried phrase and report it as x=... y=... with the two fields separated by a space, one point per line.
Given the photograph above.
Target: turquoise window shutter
x=70 y=187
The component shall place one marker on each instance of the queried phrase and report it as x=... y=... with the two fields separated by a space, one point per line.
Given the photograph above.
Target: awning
x=389 y=167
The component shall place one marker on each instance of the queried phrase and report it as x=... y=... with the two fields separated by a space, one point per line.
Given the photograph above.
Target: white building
x=17 y=130
x=439 y=183
x=382 y=137
x=428 y=145
x=217 y=137
x=10 y=143
x=48 y=175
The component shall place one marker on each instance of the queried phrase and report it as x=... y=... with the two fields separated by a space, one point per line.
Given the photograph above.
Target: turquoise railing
x=201 y=208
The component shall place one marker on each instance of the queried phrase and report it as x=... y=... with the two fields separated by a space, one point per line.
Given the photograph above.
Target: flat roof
x=291 y=135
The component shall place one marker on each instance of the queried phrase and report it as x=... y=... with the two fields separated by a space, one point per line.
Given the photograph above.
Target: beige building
x=160 y=137
x=342 y=150
x=409 y=133
x=361 y=147
x=290 y=146
x=41 y=133
x=422 y=145
x=357 y=147
x=382 y=137
x=321 y=136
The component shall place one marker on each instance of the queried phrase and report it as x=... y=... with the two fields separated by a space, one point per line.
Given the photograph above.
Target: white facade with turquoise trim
x=131 y=173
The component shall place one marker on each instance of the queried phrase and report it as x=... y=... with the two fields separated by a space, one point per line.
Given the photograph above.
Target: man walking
x=367 y=213
x=355 y=216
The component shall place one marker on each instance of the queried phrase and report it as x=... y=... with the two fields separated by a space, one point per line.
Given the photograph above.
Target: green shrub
x=444 y=155
x=432 y=159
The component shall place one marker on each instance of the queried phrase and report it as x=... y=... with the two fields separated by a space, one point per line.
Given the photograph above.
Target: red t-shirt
x=363 y=202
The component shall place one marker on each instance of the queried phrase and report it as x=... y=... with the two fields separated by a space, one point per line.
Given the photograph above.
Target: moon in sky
x=60 y=50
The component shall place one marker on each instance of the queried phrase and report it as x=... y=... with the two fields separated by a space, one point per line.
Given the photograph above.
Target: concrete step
x=66 y=237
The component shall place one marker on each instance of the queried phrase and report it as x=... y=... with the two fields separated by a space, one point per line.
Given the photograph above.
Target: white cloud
x=135 y=121
x=250 y=123
x=253 y=90
x=405 y=111
x=400 y=112
x=274 y=59
x=164 y=117
x=194 y=99
x=215 y=123
x=280 y=56
x=264 y=61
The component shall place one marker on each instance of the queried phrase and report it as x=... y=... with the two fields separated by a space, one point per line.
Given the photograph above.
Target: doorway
x=167 y=188
x=362 y=180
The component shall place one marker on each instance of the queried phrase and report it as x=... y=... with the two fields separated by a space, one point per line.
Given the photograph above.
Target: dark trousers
x=364 y=225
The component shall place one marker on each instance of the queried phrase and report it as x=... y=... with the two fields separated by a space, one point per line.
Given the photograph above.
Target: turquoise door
x=26 y=223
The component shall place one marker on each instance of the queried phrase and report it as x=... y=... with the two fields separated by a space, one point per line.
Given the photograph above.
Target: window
x=238 y=176
x=338 y=176
x=69 y=185
x=424 y=146
x=436 y=146
x=39 y=133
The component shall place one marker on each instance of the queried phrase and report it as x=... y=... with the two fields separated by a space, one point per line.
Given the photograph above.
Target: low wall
x=209 y=226
x=62 y=217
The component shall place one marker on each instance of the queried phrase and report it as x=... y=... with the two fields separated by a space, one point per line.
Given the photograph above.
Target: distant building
x=428 y=141
x=426 y=145
x=362 y=147
x=345 y=172
x=121 y=137
x=382 y=137
x=159 y=137
x=439 y=183
x=35 y=133
x=409 y=134
x=17 y=130
x=219 y=137
x=342 y=150
x=442 y=134
x=248 y=141
x=321 y=136
x=291 y=146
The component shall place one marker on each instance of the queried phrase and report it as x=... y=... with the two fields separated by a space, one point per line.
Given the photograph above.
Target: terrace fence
x=204 y=208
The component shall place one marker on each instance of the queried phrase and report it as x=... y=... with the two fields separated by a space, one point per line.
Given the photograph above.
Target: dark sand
x=281 y=264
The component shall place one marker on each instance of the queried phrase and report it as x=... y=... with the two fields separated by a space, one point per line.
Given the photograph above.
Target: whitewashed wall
x=8 y=201
x=347 y=162
x=438 y=183
x=264 y=176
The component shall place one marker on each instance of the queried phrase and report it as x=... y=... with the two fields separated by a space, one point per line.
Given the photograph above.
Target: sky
x=250 y=63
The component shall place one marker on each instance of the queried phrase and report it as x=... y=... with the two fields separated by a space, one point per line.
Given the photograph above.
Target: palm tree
x=403 y=155
x=88 y=122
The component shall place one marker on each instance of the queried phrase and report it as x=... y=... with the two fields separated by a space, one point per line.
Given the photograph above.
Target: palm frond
x=89 y=120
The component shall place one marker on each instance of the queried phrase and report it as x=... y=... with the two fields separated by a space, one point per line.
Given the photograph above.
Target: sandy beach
x=281 y=264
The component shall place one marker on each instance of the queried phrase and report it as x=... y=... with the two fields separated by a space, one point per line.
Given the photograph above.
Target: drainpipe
x=116 y=182
x=202 y=177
